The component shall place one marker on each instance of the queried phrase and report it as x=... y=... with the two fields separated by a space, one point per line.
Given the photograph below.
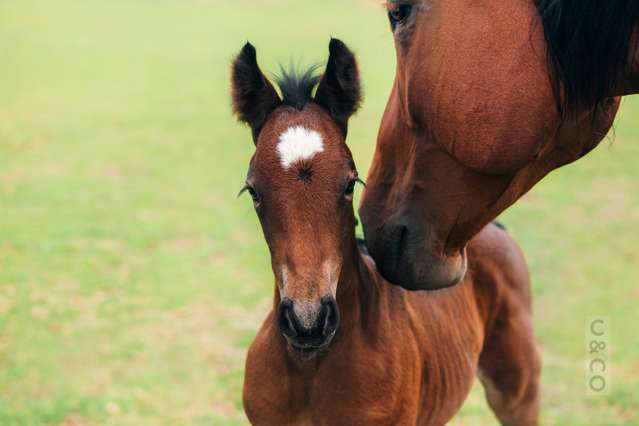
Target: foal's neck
x=357 y=290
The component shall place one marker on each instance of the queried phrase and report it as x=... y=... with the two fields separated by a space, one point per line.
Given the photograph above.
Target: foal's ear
x=254 y=97
x=339 y=91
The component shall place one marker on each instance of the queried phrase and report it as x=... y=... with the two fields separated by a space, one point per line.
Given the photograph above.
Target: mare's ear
x=254 y=97
x=339 y=91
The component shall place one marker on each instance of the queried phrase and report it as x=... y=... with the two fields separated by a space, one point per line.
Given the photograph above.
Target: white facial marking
x=298 y=143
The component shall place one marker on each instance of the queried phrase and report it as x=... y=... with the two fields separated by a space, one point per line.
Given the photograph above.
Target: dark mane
x=297 y=85
x=589 y=44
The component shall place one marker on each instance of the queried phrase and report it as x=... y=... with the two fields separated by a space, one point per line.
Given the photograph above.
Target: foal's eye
x=350 y=187
x=399 y=14
x=248 y=188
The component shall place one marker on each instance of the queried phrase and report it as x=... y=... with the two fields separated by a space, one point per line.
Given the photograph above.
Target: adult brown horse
x=489 y=97
x=341 y=346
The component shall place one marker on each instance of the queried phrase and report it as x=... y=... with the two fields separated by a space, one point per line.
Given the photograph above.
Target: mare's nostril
x=400 y=235
x=394 y=247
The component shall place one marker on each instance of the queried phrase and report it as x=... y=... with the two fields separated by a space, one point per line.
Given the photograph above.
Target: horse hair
x=297 y=85
x=589 y=49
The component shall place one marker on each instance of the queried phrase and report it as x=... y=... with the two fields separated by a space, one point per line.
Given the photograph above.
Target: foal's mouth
x=311 y=348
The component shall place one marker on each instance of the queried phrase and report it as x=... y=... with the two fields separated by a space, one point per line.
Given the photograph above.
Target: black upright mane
x=297 y=85
x=589 y=44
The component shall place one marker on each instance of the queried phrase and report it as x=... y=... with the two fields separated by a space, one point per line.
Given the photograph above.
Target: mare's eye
x=399 y=14
x=254 y=195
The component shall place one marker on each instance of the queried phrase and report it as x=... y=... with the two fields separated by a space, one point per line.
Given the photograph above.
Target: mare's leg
x=509 y=365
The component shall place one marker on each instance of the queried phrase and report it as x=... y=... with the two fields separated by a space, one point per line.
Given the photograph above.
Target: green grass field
x=132 y=280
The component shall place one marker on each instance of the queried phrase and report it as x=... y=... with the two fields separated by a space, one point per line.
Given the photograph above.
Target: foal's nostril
x=285 y=318
x=330 y=316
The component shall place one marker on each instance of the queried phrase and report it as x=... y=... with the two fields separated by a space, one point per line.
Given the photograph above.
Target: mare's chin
x=427 y=272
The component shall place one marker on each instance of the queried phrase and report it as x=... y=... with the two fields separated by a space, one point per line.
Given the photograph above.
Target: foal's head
x=301 y=179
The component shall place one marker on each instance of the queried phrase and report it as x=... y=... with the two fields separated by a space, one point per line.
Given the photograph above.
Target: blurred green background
x=132 y=280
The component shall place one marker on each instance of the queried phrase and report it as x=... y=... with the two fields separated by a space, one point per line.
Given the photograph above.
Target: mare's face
x=301 y=179
x=471 y=108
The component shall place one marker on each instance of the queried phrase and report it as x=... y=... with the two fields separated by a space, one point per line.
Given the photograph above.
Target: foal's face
x=301 y=179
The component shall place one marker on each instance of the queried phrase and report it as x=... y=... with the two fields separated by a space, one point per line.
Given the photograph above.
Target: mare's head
x=481 y=88
x=301 y=179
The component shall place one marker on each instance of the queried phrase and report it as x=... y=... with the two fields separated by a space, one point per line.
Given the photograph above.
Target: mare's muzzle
x=404 y=259
x=306 y=326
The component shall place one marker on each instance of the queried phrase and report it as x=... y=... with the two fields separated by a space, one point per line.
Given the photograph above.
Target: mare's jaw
x=430 y=272
x=421 y=271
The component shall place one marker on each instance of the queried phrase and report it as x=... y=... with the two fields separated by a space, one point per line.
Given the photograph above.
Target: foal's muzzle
x=308 y=328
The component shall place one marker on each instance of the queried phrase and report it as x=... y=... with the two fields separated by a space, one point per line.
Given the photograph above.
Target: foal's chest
x=393 y=381
x=333 y=401
x=357 y=387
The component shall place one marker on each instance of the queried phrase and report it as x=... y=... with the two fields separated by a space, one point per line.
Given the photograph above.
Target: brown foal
x=342 y=346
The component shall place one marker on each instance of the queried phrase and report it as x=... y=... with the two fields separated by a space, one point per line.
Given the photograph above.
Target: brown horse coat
x=342 y=346
x=407 y=358
x=472 y=122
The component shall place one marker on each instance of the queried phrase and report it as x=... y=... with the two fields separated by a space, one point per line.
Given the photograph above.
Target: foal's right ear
x=254 y=97
x=339 y=90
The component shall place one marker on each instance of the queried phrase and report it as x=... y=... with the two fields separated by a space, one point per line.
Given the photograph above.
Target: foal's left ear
x=339 y=91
